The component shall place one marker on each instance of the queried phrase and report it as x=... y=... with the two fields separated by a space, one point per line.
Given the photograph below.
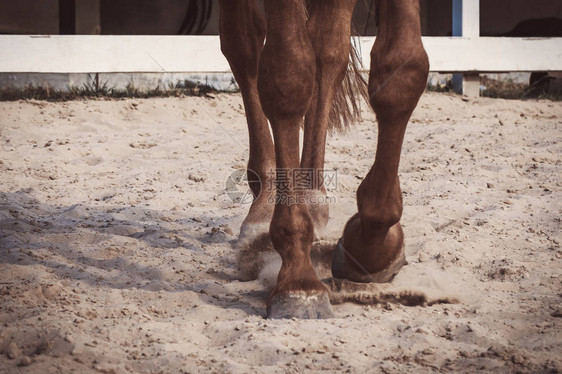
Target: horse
x=291 y=62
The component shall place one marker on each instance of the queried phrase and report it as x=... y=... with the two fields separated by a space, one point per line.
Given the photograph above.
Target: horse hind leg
x=332 y=44
x=242 y=34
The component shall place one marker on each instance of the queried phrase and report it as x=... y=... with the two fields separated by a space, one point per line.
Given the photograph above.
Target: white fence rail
x=201 y=54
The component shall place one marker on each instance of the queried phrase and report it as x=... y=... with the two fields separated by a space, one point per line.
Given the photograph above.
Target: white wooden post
x=466 y=23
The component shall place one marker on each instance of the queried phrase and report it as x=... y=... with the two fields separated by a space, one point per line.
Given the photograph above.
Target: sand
x=117 y=254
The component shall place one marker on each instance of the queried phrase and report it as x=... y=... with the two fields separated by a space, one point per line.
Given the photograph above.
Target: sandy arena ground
x=117 y=255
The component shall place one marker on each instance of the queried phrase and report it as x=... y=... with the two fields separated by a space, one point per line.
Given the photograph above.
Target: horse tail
x=346 y=108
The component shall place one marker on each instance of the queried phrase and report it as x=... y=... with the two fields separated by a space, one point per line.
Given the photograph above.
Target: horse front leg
x=372 y=246
x=286 y=80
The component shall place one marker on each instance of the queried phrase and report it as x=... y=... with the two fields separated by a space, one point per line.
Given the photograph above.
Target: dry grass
x=494 y=88
x=91 y=90
x=505 y=89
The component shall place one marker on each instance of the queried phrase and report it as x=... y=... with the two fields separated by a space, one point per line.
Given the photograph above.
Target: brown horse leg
x=371 y=249
x=242 y=34
x=286 y=80
x=332 y=44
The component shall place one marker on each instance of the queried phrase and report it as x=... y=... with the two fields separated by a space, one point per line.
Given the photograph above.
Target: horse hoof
x=300 y=305
x=341 y=269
